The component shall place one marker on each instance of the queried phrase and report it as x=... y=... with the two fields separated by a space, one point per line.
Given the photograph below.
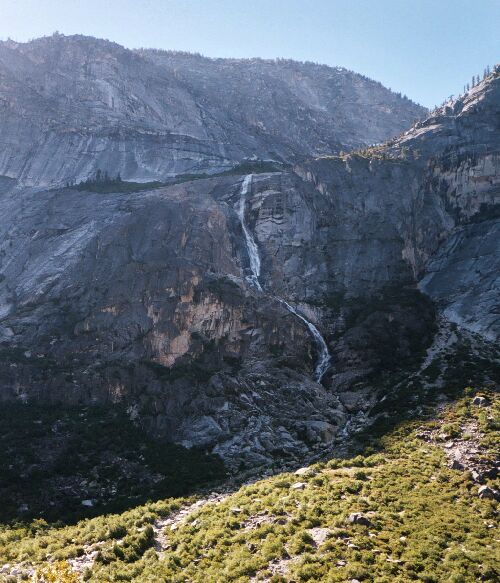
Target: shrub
x=59 y=572
x=451 y=430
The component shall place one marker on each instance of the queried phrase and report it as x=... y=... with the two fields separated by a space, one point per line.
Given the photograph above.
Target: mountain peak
x=207 y=114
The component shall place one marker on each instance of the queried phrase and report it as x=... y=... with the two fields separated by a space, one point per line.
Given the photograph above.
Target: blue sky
x=426 y=49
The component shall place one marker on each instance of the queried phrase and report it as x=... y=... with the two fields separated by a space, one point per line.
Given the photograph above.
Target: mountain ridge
x=268 y=346
x=148 y=118
x=145 y=300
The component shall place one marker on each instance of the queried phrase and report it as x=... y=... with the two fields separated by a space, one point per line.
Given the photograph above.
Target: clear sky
x=426 y=49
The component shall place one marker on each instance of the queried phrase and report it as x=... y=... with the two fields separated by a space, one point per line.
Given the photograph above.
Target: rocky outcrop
x=71 y=105
x=463 y=278
x=424 y=208
x=140 y=300
x=149 y=299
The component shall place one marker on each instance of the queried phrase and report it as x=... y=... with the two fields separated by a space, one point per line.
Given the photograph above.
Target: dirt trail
x=162 y=525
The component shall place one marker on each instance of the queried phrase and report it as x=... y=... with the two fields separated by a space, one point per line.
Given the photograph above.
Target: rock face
x=147 y=299
x=463 y=278
x=143 y=301
x=430 y=211
x=70 y=105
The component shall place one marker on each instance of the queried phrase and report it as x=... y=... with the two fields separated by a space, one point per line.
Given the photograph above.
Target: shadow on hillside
x=63 y=465
x=446 y=379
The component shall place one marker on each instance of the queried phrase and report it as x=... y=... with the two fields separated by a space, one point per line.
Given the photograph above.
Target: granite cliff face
x=439 y=209
x=151 y=299
x=71 y=105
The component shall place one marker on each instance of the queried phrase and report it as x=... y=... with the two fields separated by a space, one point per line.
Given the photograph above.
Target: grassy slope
x=427 y=521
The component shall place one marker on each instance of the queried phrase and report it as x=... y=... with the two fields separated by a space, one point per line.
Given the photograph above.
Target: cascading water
x=254 y=258
x=324 y=356
x=252 y=249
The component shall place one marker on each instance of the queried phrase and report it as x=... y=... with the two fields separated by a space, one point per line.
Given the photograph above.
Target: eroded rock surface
x=144 y=300
x=70 y=105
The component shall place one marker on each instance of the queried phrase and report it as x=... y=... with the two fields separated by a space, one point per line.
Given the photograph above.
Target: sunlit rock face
x=70 y=105
x=149 y=299
x=425 y=208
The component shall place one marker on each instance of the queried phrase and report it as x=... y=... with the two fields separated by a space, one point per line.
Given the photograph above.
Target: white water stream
x=253 y=255
x=252 y=249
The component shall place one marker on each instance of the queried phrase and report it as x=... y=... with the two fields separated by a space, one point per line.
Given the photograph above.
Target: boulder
x=304 y=471
x=485 y=492
x=480 y=401
x=359 y=518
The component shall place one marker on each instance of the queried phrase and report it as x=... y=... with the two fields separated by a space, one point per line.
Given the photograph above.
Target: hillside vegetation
x=417 y=505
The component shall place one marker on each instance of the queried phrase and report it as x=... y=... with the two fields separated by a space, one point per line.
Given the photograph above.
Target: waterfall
x=254 y=258
x=252 y=249
x=324 y=356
